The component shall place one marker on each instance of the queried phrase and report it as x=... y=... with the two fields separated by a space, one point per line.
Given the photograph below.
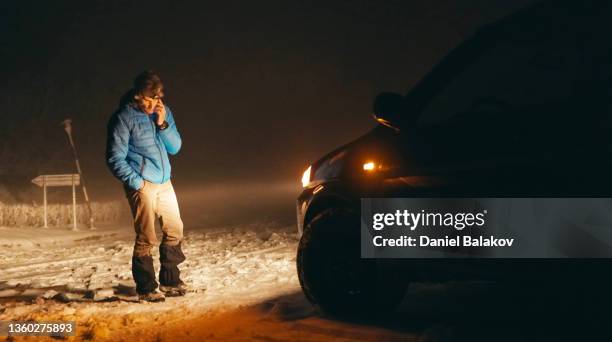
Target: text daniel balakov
x=456 y=241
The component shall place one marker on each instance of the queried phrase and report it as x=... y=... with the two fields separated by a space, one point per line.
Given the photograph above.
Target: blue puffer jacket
x=136 y=149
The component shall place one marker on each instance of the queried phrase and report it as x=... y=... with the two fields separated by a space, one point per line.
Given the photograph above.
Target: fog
x=270 y=204
x=258 y=89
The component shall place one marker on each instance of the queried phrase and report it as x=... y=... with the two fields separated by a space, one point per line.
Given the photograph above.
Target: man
x=141 y=134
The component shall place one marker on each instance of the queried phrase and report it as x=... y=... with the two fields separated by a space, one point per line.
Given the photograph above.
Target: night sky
x=259 y=89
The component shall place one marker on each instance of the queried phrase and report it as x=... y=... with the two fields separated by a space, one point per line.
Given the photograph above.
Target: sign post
x=71 y=179
x=68 y=128
x=45 y=199
x=74 y=215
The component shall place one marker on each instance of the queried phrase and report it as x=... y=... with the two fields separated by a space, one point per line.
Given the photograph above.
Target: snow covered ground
x=245 y=288
x=244 y=283
x=85 y=276
x=242 y=271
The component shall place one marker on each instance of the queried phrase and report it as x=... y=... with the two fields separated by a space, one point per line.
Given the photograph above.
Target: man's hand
x=160 y=109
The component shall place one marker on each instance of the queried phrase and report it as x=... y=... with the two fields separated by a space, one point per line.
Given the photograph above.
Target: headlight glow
x=306 y=177
x=369 y=166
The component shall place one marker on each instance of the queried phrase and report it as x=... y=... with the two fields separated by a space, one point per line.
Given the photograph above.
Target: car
x=519 y=109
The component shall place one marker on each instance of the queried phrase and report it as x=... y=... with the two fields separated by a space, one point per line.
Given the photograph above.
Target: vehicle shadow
x=465 y=311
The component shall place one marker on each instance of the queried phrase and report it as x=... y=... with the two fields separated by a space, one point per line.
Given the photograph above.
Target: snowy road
x=226 y=267
x=244 y=280
x=246 y=288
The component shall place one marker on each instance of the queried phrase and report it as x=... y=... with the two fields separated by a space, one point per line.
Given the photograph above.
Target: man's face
x=148 y=103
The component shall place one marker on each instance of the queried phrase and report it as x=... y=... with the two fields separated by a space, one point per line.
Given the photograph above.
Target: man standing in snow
x=141 y=134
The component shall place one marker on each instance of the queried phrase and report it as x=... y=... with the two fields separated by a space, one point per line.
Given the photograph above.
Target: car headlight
x=369 y=166
x=306 y=177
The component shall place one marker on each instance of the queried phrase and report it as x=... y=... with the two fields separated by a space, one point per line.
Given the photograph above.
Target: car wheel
x=332 y=273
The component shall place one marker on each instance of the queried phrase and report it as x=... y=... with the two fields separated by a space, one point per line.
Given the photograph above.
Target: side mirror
x=388 y=109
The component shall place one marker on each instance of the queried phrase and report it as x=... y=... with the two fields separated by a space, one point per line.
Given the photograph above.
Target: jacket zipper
x=161 y=158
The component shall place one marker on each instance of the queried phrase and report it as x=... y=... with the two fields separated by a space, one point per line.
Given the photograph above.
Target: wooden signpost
x=71 y=179
x=68 y=128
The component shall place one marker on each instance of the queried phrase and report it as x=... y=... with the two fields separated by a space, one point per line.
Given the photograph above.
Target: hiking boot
x=153 y=296
x=173 y=291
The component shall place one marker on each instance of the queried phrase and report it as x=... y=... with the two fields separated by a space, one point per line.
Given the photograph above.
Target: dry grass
x=24 y=215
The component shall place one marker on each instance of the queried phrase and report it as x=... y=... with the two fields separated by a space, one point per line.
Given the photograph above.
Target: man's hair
x=146 y=83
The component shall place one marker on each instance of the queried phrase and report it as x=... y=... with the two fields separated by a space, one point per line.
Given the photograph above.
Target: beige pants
x=152 y=201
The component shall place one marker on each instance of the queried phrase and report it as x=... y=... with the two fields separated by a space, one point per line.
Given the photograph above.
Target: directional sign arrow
x=57 y=180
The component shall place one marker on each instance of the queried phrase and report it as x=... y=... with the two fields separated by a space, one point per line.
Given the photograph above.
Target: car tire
x=333 y=275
